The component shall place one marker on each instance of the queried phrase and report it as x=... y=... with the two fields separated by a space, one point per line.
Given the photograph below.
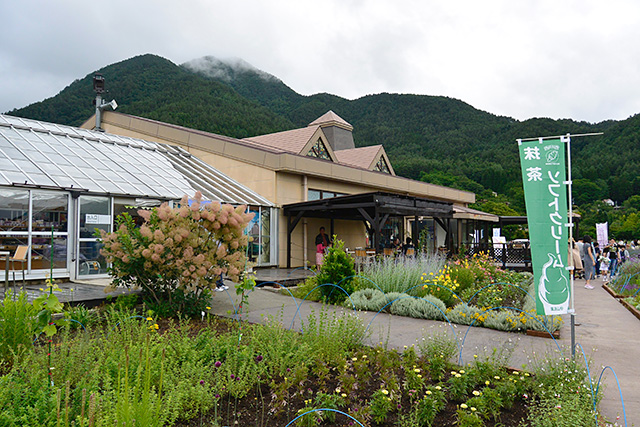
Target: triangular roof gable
x=296 y=141
x=364 y=157
x=382 y=155
x=330 y=118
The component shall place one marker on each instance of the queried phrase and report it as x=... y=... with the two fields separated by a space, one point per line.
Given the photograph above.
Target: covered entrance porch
x=374 y=210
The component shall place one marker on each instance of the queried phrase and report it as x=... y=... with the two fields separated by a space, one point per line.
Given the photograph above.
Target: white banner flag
x=602 y=233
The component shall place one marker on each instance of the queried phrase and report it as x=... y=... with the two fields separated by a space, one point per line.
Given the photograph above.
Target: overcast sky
x=548 y=58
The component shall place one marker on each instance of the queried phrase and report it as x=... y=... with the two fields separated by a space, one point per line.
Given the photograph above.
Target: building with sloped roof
x=58 y=184
x=319 y=165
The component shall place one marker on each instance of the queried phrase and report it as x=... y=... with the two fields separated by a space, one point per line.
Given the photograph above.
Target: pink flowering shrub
x=177 y=255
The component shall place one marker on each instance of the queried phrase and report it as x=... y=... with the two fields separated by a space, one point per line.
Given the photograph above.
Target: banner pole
x=572 y=310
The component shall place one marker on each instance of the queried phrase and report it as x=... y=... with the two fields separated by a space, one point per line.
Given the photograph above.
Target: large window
x=14 y=209
x=38 y=219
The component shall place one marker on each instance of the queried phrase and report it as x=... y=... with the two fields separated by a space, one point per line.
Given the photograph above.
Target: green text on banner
x=543 y=177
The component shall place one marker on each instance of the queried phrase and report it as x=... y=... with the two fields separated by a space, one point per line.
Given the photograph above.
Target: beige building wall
x=279 y=178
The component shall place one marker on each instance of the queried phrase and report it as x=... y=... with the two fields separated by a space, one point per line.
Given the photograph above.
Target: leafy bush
x=338 y=269
x=368 y=299
x=503 y=320
x=178 y=253
x=464 y=314
x=429 y=307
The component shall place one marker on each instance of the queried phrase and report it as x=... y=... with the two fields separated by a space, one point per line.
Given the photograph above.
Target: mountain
x=156 y=88
x=437 y=139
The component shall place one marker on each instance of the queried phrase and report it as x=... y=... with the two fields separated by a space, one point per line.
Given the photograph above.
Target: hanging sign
x=543 y=177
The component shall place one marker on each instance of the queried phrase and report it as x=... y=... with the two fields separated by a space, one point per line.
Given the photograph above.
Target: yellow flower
x=344 y=395
x=208 y=308
x=385 y=391
x=416 y=370
x=464 y=406
x=438 y=387
x=487 y=382
x=473 y=409
x=476 y=393
x=428 y=391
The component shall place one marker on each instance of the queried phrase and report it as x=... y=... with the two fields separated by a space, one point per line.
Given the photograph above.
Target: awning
x=372 y=208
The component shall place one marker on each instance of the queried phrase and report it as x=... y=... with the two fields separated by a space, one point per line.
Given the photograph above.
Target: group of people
x=594 y=261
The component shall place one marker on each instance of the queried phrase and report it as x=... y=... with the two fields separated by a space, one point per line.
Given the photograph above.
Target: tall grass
x=400 y=274
x=17 y=325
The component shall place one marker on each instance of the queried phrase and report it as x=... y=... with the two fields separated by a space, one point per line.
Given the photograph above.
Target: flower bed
x=217 y=372
x=468 y=291
x=632 y=304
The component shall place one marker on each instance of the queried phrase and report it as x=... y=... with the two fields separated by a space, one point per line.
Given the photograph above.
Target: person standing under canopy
x=322 y=243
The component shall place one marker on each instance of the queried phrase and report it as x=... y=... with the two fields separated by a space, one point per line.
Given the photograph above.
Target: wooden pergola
x=374 y=209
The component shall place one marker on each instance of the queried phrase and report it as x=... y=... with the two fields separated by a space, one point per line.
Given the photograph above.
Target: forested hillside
x=436 y=139
x=154 y=87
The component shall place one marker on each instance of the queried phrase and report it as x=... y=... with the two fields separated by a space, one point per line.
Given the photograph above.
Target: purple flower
x=201 y=382
x=217 y=364
x=259 y=358
x=233 y=377
x=217 y=396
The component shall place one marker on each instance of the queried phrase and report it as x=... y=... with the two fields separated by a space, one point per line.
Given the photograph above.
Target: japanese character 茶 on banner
x=544 y=177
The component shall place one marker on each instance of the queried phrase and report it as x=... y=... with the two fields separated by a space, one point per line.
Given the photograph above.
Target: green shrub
x=464 y=314
x=429 y=307
x=503 y=320
x=368 y=299
x=338 y=269
x=390 y=297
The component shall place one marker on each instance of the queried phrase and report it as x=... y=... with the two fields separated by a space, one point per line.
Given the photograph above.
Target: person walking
x=613 y=258
x=598 y=253
x=588 y=261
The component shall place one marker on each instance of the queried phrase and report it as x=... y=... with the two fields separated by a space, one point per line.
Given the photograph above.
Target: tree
x=178 y=254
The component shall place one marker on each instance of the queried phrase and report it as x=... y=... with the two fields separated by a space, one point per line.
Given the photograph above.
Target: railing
x=507 y=255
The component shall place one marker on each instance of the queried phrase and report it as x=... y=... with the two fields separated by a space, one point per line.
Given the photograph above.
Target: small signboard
x=97 y=219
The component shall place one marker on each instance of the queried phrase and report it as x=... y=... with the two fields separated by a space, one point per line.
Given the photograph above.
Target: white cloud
x=573 y=59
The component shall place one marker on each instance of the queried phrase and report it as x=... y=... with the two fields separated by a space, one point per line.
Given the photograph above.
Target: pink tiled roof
x=361 y=157
x=330 y=117
x=292 y=141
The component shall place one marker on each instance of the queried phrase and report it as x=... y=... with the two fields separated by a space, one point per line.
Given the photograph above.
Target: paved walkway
x=609 y=334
